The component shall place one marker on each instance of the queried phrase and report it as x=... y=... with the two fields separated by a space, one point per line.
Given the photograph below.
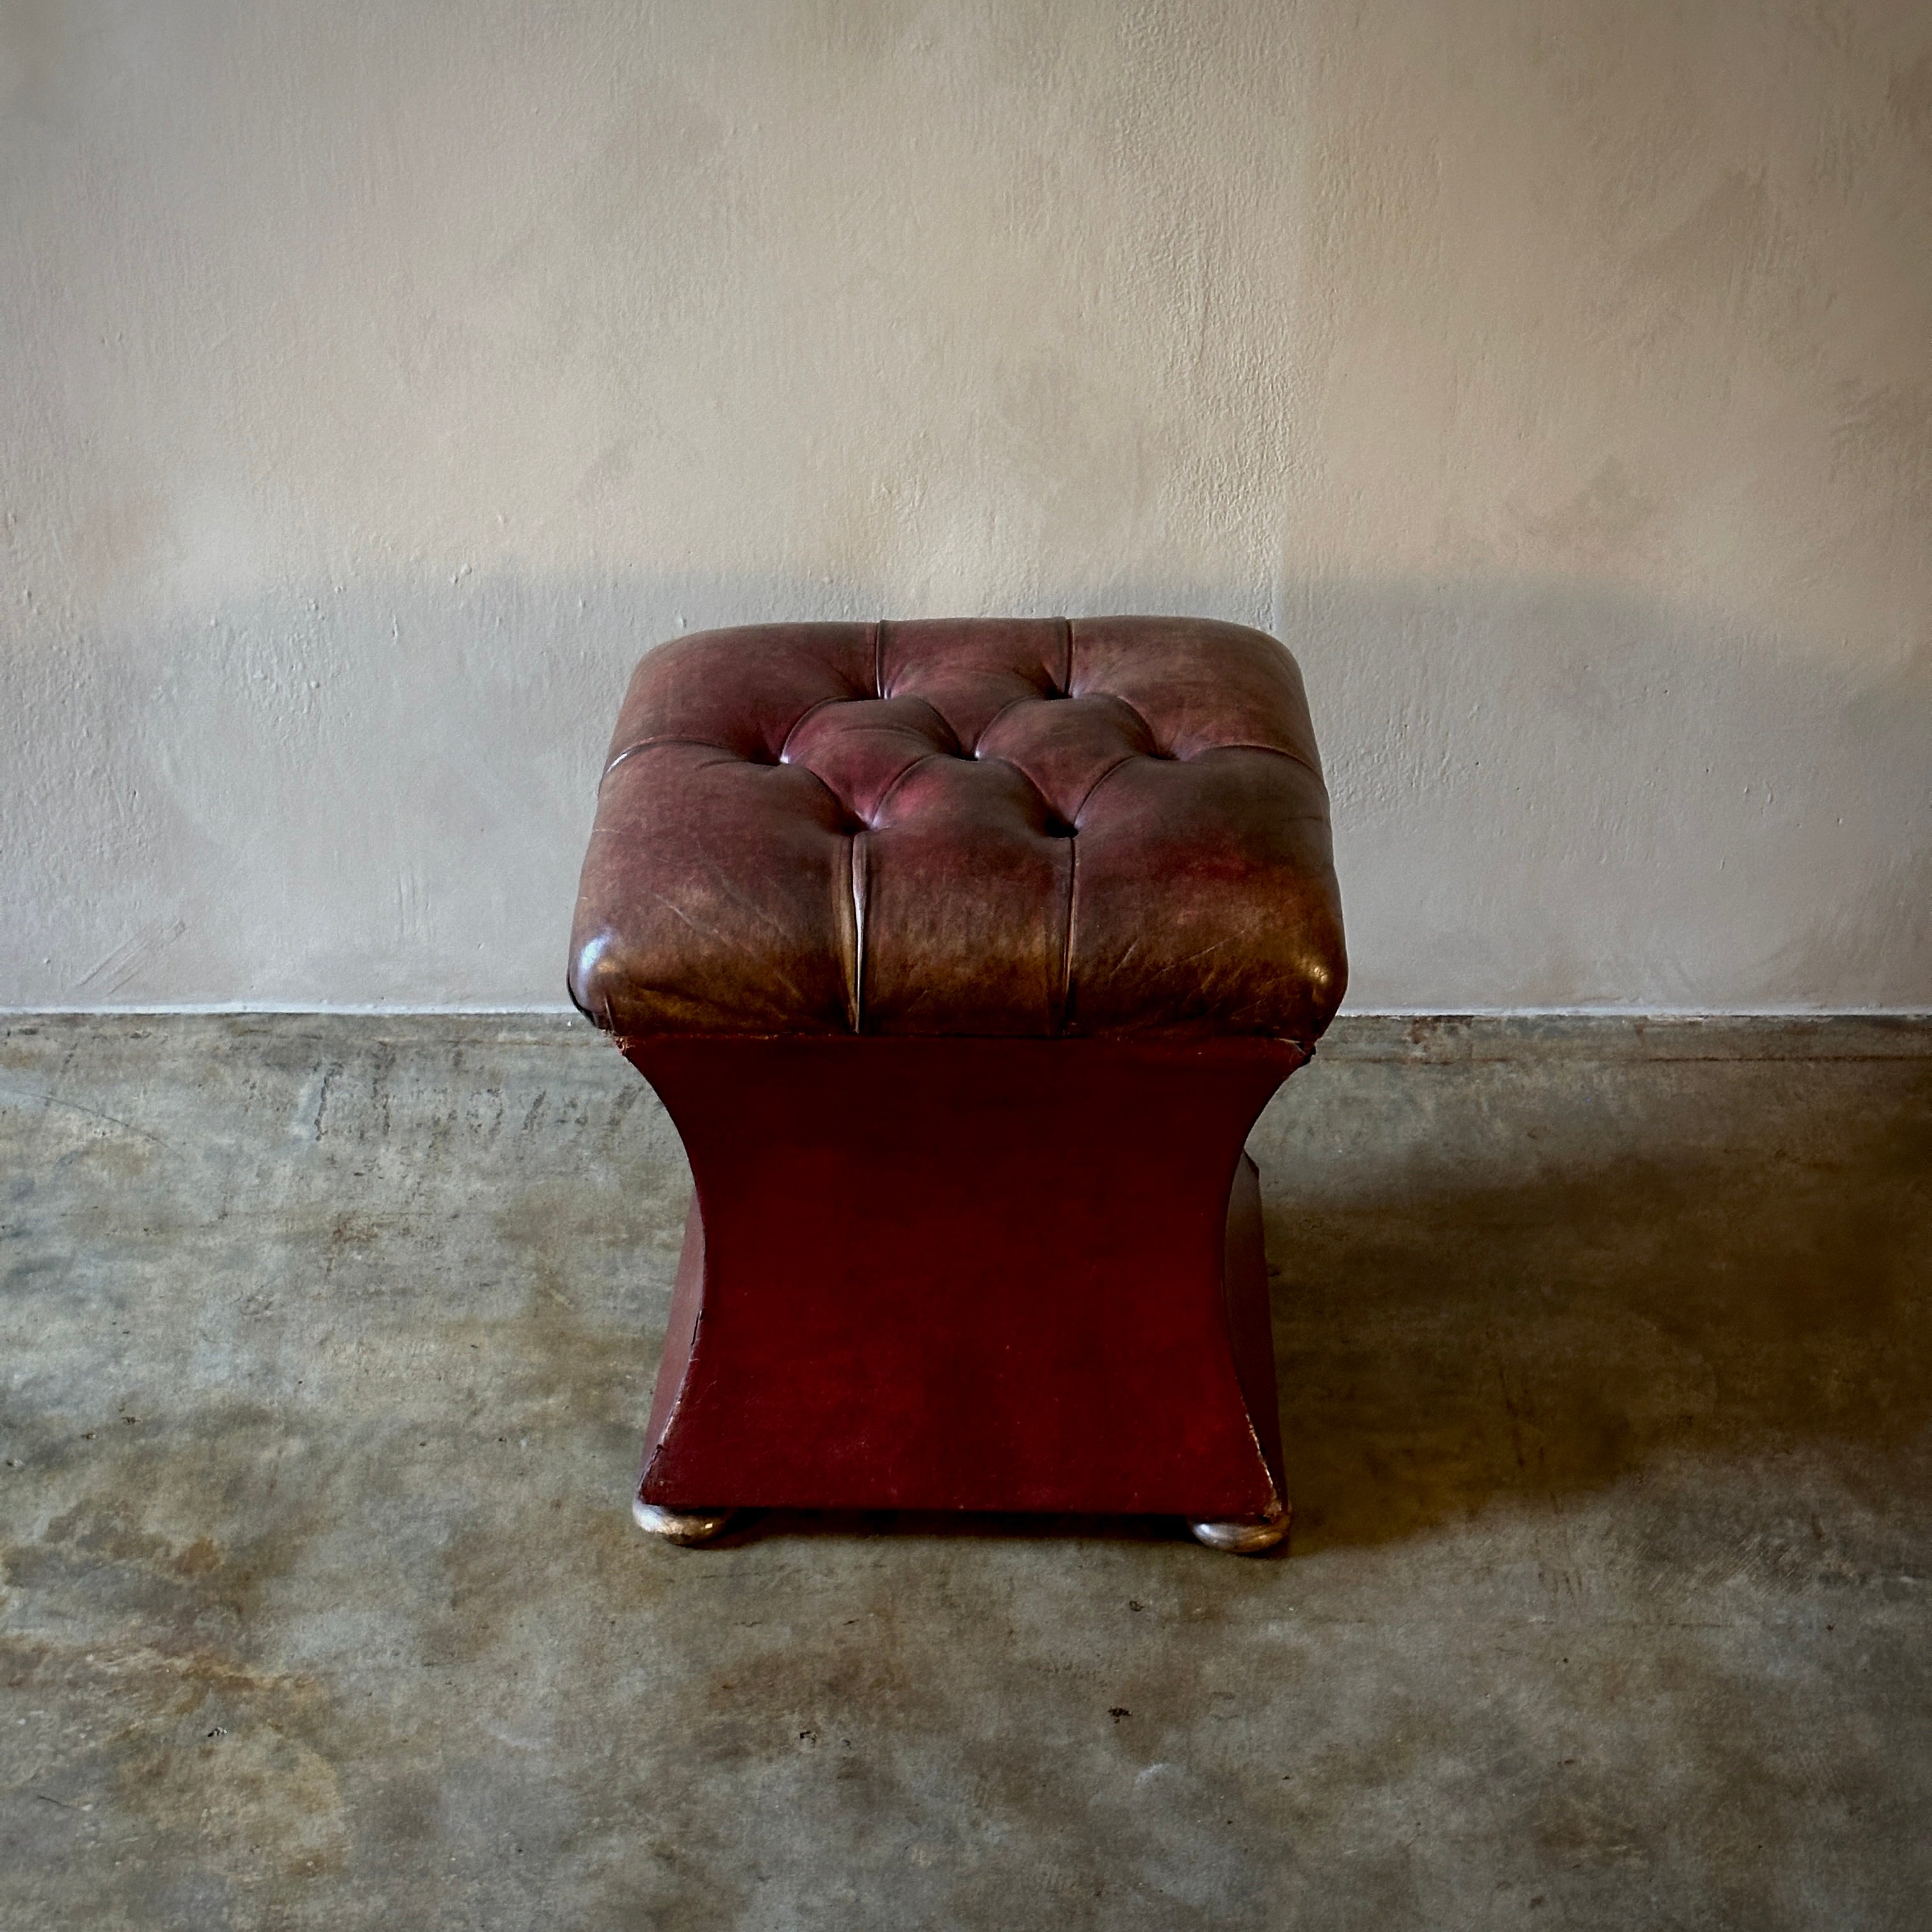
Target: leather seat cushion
x=1029 y=826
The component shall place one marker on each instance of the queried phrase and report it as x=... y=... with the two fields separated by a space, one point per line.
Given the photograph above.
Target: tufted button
x=1202 y=900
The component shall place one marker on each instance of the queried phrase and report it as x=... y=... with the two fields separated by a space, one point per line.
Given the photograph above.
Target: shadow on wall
x=1520 y=1283
x=1545 y=794
x=1555 y=794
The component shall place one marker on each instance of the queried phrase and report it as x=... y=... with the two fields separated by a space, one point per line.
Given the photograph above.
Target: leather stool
x=963 y=955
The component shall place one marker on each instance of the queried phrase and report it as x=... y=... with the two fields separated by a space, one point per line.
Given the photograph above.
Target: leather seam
x=1024 y=698
x=1125 y=758
x=856 y=883
x=669 y=738
x=1065 y=1015
x=1273 y=751
x=879 y=804
x=817 y=704
x=1066 y=648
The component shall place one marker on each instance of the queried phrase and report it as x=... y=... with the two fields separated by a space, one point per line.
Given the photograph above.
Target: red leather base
x=968 y=1274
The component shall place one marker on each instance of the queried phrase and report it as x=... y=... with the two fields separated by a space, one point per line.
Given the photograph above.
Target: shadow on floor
x=755 y=1526
x=1503 y=1291
x=1734 y=1277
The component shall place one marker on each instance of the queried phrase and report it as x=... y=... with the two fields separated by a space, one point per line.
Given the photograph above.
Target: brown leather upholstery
x=1029 y=826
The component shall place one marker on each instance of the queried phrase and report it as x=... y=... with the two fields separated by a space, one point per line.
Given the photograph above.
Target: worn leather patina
x=1027 y=827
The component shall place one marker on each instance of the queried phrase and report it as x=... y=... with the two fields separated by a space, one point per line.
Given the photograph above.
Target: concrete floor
x=324 y=1350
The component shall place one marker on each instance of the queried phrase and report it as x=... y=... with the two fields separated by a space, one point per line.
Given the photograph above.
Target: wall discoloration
x=385 y=381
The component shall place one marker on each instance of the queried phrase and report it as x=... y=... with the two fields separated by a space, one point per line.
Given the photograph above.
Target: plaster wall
x=380 y=380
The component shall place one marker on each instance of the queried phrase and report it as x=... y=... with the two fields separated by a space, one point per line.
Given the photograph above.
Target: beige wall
x=380 y=378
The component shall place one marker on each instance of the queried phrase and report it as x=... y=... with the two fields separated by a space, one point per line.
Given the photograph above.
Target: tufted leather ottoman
x=963 y=955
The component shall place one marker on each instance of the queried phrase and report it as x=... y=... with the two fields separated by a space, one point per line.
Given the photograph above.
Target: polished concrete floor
x=324 y=1350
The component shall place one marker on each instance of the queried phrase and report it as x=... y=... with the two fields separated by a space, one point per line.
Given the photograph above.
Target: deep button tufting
x=1067 y=749
x=905 y=860
x=860 y=749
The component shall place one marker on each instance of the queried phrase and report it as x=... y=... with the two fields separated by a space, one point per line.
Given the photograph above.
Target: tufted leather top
x=1030 y=827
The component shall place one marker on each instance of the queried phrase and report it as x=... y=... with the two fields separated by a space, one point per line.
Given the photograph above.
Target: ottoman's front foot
x=685 y=1526
x=1245 y=1536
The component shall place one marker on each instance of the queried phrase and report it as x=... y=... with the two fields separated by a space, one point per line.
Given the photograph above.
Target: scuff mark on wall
x=134 y=957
